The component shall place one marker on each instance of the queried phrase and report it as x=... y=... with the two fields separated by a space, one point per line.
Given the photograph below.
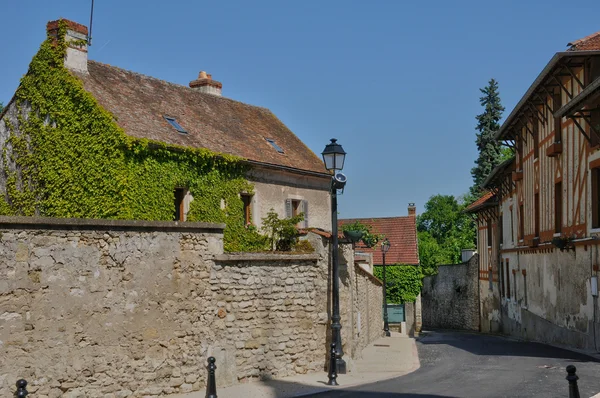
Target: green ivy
x=404 y=282
x=72 y=160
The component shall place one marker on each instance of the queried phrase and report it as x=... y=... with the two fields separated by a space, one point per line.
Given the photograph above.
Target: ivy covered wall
x=63 y=155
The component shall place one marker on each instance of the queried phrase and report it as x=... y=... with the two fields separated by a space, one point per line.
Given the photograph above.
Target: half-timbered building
x=539 y=227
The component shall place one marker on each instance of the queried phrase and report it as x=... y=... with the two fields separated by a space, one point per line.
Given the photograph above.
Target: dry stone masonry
x=109 y=309
x=450 y=299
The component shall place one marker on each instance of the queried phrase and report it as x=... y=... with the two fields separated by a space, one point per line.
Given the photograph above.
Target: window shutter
x=288 y=208
x=305 y=211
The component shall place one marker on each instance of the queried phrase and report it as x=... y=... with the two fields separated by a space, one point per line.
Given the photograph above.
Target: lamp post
x=385 y=246
x=334 y=156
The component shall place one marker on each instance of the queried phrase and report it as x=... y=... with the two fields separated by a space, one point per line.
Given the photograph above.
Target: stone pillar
x=418 y=319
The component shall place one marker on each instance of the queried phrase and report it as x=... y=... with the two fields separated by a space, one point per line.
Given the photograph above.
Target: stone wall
x=450 y=299
x=368 y=299
x=93 y=308
x=360 y=292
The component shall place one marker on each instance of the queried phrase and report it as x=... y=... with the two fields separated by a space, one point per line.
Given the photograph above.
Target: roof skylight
x=274 y=145
x=176 y=125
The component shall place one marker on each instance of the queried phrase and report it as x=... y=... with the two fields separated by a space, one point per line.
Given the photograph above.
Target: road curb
x=415 y=366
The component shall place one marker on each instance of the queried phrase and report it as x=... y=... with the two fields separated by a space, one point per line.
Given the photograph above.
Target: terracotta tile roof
x=480 y=202
x=588 y=43
x=402 y=233
x=139 y=104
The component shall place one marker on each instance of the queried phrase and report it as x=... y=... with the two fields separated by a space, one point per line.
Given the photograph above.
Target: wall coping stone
x=233 y=257
x=373 y=278
x=19 y=222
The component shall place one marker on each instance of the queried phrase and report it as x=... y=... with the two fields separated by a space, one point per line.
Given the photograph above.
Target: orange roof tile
x=479 y=202
x=588 y=43
x=402 y=234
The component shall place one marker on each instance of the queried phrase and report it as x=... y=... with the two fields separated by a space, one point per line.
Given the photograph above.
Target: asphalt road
x=455 y=364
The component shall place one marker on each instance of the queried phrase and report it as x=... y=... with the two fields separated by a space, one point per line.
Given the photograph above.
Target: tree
x=1 y=107
x=444 y=229
x=490 y=149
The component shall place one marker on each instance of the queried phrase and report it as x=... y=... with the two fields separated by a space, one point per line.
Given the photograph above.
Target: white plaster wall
x=76 y=58
x=272 y=188
x=558 y=286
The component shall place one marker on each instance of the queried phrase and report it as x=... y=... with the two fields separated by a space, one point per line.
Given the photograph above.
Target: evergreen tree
x=490 y=150
x=1 y=107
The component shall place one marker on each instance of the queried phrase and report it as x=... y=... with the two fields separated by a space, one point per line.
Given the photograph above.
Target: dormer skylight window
x=176 y=125
x=274 y=145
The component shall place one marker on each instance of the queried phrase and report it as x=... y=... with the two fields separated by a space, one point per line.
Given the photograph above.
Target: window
x=489 y=233
x=558 y=207
x=595 y=123
x=502 y=290
x=536 y=139
x=512 y=226
x=501 y=227
x=596 y=198
x=247 y=200
x=293 y=207
x=274 y=145
x=524 y=272
x=520 y=150
x=179 y=214
x=514 y=272
x=176 y=125
x=507 y=280
x=490 y=279
x=521 y=222
x=537 y=214
x=556 y=102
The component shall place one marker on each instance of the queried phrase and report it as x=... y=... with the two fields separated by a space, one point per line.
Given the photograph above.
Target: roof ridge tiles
x=142 y=75
x=584 y=40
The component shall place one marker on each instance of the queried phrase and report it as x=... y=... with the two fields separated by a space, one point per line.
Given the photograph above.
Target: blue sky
x=396 y=82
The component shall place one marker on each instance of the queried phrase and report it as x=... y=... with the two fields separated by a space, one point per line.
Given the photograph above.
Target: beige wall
x=273 y=187
x=131 y=308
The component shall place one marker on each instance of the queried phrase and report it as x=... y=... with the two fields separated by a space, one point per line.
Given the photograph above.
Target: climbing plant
x=404 y=282
x=67 y=157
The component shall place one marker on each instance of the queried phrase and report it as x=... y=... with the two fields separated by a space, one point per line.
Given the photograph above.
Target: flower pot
x=353 y=236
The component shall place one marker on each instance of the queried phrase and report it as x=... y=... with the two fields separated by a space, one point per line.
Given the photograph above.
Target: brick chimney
x=205 y=84
x=76 y=57
x=412 y=209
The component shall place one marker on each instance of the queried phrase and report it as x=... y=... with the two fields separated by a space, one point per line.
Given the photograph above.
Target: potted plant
x=354 y=231
x=563 y=243
x=358 y=231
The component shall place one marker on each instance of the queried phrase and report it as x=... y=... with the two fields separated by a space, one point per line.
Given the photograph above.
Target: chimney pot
x=205 y=84
x=412 y=209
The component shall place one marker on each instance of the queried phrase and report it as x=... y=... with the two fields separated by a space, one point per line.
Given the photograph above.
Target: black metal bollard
x=21 y=389
x=572 y=378
x=211 y=384
x=332 y=367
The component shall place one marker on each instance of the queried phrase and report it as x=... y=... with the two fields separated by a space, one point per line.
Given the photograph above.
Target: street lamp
x=333 y=157
x=385 y=246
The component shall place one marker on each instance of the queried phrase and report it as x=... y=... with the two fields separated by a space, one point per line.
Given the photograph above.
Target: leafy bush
x=282 y=233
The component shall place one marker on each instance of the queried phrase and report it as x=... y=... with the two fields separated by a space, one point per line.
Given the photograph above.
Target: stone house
x=84 y=139
x=538 y=227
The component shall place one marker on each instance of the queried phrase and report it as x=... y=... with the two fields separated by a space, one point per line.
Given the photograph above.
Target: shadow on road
x=478 y=344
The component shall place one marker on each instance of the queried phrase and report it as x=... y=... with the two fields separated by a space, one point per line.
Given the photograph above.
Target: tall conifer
x=490 y=150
